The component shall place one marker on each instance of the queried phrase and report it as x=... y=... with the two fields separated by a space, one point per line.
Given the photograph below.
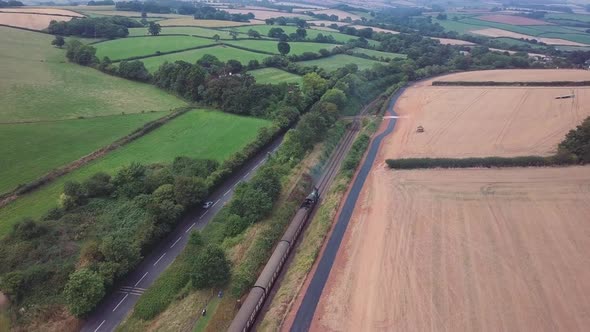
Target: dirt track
x=467 y=250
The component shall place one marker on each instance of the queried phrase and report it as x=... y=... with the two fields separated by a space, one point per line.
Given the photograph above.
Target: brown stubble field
x=471 y=249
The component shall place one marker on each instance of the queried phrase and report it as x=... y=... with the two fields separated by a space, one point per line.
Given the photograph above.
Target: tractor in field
x=420 y=129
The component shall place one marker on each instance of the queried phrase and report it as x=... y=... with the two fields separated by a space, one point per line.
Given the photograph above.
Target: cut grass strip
x=338 y=61
x=274 y=76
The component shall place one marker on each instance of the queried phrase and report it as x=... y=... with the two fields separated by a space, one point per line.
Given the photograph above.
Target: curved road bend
x=115 y=307
x=310 y=301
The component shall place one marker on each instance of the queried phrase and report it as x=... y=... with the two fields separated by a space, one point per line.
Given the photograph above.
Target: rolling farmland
x=270 y=46
x=191 y=31
x=38 y=85
x=311 y=33
x=223 y=53
x=469 y=249
x=274 y=76
x=340 y=60
x=125 y=48
x=197 y=134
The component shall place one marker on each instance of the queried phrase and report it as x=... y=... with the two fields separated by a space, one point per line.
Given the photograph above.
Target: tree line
x=98 y=27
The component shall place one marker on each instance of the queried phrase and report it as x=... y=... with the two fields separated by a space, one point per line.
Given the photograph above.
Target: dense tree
x=234 y=34
x=59 y=41
x=210 y=268
x=80 y=53
x=129 y=180
x=98 y=27
x=154 y=29
x=577 y=142
x=336 y=97
x=275 y=32
x=83 y=291
x=284 y=48
x=301 y=33
x=314 y=85
x=134 y=70
x=189 y=191
x=254 y=34
x=118 y=249
x=216 y=38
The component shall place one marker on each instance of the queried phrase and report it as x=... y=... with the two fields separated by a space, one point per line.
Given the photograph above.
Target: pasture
x=124 y=48
x=30 y=150
x=197 y=134
x=270 y=46
x=274 y=76
x=496 y=245
x=191 y=31
x=340 y=60
x=223 y=53
x=37 y=84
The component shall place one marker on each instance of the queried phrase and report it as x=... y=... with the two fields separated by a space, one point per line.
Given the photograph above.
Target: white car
x=207 y=205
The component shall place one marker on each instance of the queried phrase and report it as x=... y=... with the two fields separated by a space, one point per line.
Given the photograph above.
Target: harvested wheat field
x=468 y=249
x=489 y=121
x=496 y=33
x=30 y=21
x=464 y=250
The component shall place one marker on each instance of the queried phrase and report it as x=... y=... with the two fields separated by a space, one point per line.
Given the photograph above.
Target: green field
x=30 y=150
x=379 y=54
x=338 y=61
x=223 y=53
x=568 y=17
x=270 y=46
x=274 y=76
x=191 y=31
x=37 y=84
x=311 y=33
x=125 y=48
x=198 y=134
x=467 y=24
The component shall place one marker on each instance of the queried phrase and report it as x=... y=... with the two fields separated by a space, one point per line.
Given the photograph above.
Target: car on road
x=207 y=204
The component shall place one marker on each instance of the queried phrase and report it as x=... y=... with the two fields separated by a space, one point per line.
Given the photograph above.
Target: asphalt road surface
x=115 y=307
x=308 y=306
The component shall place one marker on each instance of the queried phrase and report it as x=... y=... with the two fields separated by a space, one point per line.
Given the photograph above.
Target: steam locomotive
x=253 y=303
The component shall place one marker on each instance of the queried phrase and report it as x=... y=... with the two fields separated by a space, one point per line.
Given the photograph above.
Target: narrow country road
x=115 y=307
x=310 y=301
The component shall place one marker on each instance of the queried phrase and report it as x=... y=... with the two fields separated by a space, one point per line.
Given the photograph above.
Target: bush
x=209 y=268
x=577 y=142
x=83 y=291
x=28 y=229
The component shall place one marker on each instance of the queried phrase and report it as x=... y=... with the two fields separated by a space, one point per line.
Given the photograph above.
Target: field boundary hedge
x=46 y=14
x=484 y=162
x=515 y=83
x=74 y=165
x=249 y=49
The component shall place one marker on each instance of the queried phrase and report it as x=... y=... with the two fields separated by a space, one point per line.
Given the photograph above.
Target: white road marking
x=189 y=229
x=175 y=242
x=235 y=185
x=227 y=192
x=217 y=201
x=245 y=176
x=260 y=163
x=395 y=117
x=137 y=283
x=120 y=302
x=159 y=259
x=201 y=217
x=99 y=325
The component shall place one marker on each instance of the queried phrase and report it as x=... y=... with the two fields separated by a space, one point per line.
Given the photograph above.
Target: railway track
x=328 y=176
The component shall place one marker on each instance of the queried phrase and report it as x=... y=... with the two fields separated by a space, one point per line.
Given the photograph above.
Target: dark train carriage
x=295 y=226
x=245 y=317
x=273 y=267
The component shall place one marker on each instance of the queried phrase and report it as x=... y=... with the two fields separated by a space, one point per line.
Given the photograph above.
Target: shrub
x=83 y=291
x=209 y=268
x=577 y=142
